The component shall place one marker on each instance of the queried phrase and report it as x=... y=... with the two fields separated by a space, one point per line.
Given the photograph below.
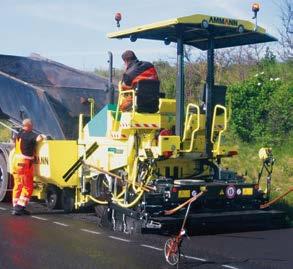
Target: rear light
x=167 y=154
x=232 y=153
x=165 y=132
x=174 y=189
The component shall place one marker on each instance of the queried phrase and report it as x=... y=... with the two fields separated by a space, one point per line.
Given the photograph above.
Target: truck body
x=51 y=94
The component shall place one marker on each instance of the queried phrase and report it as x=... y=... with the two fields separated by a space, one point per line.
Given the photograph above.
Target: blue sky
x=73 y=32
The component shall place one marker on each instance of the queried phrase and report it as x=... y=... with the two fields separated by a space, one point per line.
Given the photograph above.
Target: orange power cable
x=191 y=200
x=276 y=199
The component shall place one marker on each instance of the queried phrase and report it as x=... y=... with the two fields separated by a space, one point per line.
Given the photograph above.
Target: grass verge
x=248 y=164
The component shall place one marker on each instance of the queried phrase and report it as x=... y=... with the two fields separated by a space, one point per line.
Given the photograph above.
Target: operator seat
x=219 y=98
x=147 y=96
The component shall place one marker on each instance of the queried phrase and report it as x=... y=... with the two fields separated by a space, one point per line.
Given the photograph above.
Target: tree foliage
x=286 y=29
x=167 y=76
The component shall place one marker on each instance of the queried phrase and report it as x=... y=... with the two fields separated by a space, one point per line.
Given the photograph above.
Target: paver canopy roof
x=227 y=32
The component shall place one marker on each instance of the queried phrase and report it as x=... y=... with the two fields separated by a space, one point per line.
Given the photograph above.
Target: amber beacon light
x=255 y=9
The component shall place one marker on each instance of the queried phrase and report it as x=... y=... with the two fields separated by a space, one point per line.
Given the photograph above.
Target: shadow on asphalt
x=39 y=209
x=284 y=206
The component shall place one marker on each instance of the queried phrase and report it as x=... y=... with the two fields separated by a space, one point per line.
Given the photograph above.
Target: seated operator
x=135 y=71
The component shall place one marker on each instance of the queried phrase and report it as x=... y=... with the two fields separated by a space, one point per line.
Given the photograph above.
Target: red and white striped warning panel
x=139 y=125
x=125 y=124
x=145 y=125
x=118 y=135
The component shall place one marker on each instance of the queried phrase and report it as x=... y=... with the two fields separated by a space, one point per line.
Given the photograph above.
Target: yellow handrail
x=121 y=93
x=118 y=105
x=80 y=127
x=187 y=123
x=229 y=108
x=222 y=130
x=92 y=107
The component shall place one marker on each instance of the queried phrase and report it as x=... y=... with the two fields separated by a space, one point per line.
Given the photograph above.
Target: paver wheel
x=3 y=178
x=53 y=197
x=67 y=200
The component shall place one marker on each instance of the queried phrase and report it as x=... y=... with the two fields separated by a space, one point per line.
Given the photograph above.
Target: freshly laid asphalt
x=55 y=240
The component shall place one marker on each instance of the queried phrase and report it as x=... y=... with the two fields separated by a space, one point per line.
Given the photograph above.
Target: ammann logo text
x=223 y=21
x=41 y=160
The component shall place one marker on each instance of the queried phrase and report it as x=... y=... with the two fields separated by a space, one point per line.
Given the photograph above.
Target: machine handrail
x=229 y=112
x=80 y=127
x=122 y=92
x=118 y=104
x=213 y=126
x=187 y=121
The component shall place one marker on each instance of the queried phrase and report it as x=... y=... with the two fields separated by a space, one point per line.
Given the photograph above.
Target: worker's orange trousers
x=23 y=181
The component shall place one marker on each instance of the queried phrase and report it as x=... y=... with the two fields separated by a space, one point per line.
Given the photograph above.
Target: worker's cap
x=129 y=55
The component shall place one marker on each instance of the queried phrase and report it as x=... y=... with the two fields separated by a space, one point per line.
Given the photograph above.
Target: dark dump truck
x=51 y=94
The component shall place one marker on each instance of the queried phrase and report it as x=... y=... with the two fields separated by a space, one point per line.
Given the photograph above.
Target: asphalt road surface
x=54 y=240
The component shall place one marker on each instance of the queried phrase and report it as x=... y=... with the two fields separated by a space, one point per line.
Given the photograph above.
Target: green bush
x=262 y=108
x=280 y=120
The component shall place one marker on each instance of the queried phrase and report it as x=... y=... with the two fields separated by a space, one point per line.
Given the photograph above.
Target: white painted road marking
x=126 y=240
x=229 y=266
x=120 y=239
x=61 y=224
x=152 y=247
x=194 y=258
x=89 y=231
x=40 y=218
x=186 y=256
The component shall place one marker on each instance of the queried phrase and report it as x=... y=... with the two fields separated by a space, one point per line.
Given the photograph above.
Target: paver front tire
x=53 y=197
x=3 y=178
x=67 y=200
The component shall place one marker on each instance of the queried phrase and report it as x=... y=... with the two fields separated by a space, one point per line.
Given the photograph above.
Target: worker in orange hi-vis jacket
x=135 y=71
x=22 y=167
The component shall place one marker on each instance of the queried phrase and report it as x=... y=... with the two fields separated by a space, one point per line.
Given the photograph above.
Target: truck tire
x=53 y=197
x=3 y=179
x=67 y=200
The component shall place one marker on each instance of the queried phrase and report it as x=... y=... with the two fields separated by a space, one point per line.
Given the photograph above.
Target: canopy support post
x=180 y=84
x=209 y=95
x=111 y=94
